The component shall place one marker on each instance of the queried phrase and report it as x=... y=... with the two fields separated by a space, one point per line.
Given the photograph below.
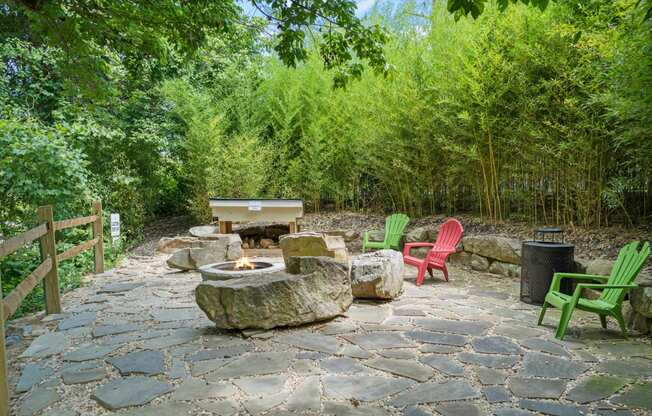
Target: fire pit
x=242 y=267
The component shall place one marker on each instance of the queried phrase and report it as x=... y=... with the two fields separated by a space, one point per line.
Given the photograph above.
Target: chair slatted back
x=629 y=263
x=449 y=236
x=394 y=227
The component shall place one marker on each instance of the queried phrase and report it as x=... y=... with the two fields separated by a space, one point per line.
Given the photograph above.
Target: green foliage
x=38 y=167
x=16 y=267
x=99 y=34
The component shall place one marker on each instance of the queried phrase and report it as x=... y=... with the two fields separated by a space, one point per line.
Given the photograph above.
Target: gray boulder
x=641 y=297
x=227 y=247
x=313 y=244
x=498 y=248
x=505 y=269
x=461 y=258
x=601 y=267
x=377 y=275
x=321 y=290
x=172 y=244
x=419 y=235
x=208 y=232
x=479 y=263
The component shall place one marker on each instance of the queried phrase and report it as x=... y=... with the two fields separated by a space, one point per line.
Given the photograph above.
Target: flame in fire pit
x=243 y=263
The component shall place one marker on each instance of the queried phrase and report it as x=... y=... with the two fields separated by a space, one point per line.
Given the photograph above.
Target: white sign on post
x=255 y=206
x=115 y=227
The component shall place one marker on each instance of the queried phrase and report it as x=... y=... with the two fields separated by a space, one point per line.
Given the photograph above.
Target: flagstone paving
x=133 y=342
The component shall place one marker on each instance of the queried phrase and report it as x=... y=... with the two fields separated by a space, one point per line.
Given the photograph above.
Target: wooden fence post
x=49 y=249
x=98 y=233
x=4 y=372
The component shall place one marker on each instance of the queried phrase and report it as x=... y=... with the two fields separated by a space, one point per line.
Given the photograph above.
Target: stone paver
x=38 y=400
x=198 y=389
x=495 y=345
x=436 y=392
x=363 y=388
x=261 y=385
x=552 y=408
x=639 y=396
x=458 y=409
x=444 y=364
x=32 y=374
x=454 y=327
x=437 y=338
x=130 y=391
x=80 y=373
x=466 y=347
x=543 y=365
x=306 y=397
x=254 y=364
x=47 y=345
x=403 y=368
x=596 y=388
x=534 y=388
x=139 y=362
x=488 y=360
x=89 y=352
x=379 y=340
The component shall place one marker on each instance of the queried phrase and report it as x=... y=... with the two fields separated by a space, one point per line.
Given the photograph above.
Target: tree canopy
x=92 y=33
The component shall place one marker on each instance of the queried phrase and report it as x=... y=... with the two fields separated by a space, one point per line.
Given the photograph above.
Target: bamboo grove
x=544 y=117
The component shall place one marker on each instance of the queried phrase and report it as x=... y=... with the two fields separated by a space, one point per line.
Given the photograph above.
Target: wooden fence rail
x=47 y=272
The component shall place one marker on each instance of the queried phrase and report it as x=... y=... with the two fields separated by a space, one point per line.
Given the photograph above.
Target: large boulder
x=321 y=290
x=601 y=267
x=479 y=263
x=171 y=244
x=460 y=258
x=497 y=248
x=505 y=269
x=419 y=235
x=640 y=313
x=226 y=247
x=377 y=275
x=208 y=232
x=641 y=297
x=313 y=244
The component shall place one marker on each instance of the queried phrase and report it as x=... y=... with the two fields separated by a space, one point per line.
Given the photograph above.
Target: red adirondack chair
x=450 y=234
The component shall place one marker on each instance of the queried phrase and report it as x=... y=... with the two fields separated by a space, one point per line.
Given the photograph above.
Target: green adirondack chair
x=394 y=226
x=614 y=288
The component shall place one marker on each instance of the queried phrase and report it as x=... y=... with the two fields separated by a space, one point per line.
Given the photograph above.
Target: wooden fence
x=47 y=272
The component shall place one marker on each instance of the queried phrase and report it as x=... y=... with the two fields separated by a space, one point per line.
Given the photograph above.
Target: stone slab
x=45 y=345
x=543 y=365
x=139 y=362
x=433 y=392
x=262 y=385
x=488 y=360
x=403 y=368
x=198 y=389
x=596 y=388
x=532 y=388
x=444 y=364
x=363 y=388
x=32 y=375
x=130 y=391
x=379 y=340
x=254 y=364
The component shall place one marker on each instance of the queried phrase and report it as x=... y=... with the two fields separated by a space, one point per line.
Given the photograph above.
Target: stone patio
x=135 y=337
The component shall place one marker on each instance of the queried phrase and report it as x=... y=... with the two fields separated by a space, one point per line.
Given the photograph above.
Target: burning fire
x=244 y=263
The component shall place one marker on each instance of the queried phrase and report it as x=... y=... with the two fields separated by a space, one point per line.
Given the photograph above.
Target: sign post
x=115 y=227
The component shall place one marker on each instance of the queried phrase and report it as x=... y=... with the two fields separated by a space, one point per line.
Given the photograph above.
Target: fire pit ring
x=227 y=270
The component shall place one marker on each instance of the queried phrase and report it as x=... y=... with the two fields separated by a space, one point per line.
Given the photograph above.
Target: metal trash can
x=542 y=257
